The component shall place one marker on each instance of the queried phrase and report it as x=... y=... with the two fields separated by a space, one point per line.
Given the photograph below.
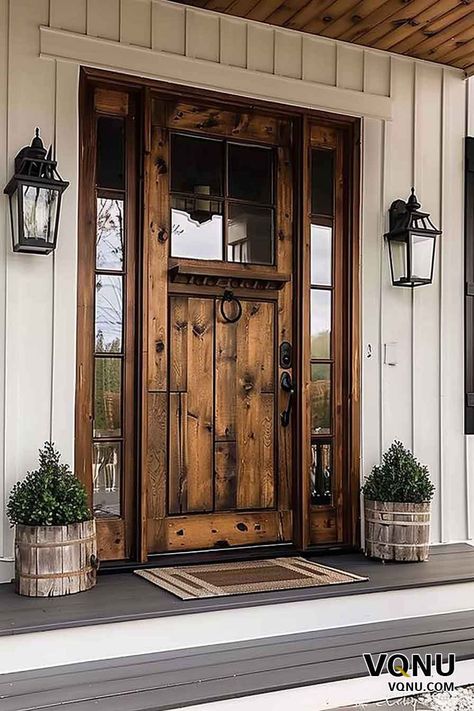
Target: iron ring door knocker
x=229 y=297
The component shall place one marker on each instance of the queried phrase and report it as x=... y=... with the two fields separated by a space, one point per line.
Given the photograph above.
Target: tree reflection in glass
x=110 y=234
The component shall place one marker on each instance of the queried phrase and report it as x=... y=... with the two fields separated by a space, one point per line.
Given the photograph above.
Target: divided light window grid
x=109 y=336
x=321 y=326
x=222 y=200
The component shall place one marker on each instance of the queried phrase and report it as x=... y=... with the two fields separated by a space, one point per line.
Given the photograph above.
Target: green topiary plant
x=49 y=496
x=400 y=478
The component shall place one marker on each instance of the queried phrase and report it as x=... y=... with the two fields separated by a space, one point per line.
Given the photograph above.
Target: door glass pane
x=110 y=153
x=321 y=255
x=196 y=228
x=108 y=313
x=250 y=172
x=322 y=181
x=39 y=212
x=107 y=397
x=320 y=323
x=320 y=394
x=110 y=234
x=321 y=466
x=106 y=471
x=250 y=234
x=197 y=165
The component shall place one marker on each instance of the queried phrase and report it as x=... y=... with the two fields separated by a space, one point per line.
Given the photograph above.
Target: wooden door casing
x=217 y=460
x=155 y=509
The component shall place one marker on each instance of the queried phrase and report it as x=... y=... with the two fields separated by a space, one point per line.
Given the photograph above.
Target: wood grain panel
x=345 y=21
x=156 y=468
x=323 y=525
x=222 y=530
x=191 y=410
x=110 y=539
x=200 y=425
x=255 y=406
x=404 y=30
x=284 y=218
x=222 y=122
x=179 y=322
x=178 y=463
x=158 y=234
x=225 y=466
x=226 y=379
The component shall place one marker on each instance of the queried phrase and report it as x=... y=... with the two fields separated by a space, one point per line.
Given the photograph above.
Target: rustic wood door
x=218 y=328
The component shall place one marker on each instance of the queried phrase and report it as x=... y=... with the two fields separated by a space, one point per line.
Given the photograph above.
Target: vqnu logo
x=415 y=673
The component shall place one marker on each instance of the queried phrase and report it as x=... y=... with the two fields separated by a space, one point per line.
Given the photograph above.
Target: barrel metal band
x=398 y=513
x=53 y=544
x=31 y=576
x=397 y=523
x=392 y=545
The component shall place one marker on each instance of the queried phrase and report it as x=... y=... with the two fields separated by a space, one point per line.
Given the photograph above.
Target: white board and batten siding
x=413 y=127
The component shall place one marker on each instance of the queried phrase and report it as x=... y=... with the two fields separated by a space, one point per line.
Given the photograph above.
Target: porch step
x=189 y=677
x=126 y=616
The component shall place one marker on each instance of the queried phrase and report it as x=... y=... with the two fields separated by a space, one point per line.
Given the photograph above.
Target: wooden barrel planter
x=55 y=560
x=395 y=531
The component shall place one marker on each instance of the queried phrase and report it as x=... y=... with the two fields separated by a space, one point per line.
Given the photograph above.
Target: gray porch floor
x=124 y=596
x=181 y=678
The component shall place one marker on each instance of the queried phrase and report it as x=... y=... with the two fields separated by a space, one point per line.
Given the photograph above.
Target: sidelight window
x=321 y=324
x=109 y=349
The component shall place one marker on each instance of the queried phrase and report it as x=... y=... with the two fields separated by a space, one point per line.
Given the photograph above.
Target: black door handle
x=288 y=386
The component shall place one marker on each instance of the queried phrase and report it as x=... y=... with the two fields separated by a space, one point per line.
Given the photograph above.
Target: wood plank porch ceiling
x=440 y=31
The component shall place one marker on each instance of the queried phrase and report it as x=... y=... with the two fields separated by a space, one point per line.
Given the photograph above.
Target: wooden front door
x=211 y=293
x=218 y=355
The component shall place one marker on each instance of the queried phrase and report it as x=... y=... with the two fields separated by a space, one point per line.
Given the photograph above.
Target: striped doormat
x=190 y=582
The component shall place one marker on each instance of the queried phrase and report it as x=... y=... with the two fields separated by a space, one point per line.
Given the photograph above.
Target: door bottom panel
x=221 y=530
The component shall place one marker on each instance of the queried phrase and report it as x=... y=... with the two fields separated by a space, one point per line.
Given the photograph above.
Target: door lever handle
x=288 y=386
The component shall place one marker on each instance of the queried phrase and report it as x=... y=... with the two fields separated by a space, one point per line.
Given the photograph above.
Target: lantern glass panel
x=422 y=251
x=40 y=209
x=398 y=260
x=14 y=217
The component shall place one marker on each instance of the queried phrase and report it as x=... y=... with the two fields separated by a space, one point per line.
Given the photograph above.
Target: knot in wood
x=161 y=167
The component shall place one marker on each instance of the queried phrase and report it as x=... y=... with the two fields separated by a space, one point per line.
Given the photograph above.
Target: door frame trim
x=351 y=126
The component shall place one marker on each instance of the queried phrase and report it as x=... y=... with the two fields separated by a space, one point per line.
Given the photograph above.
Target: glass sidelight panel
x=321 y=472
x=250 y=234
x=320 y=394
x=110 y=153
x=321 y=255
x=321 y=323
x=106 y=463
x=108 y=313
x=322 y=182
x=108 y=397
x=110 y=234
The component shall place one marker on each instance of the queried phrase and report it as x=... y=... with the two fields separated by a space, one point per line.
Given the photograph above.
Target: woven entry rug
x=190 y=582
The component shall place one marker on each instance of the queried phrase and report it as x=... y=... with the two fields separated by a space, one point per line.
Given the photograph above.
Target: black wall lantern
x=411 y=243
x=35 y=199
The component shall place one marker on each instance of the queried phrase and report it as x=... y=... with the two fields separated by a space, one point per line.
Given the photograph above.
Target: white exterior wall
x=414 y=116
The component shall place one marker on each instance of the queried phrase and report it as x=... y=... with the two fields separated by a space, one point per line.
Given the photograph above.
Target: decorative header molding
x=163 y=40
